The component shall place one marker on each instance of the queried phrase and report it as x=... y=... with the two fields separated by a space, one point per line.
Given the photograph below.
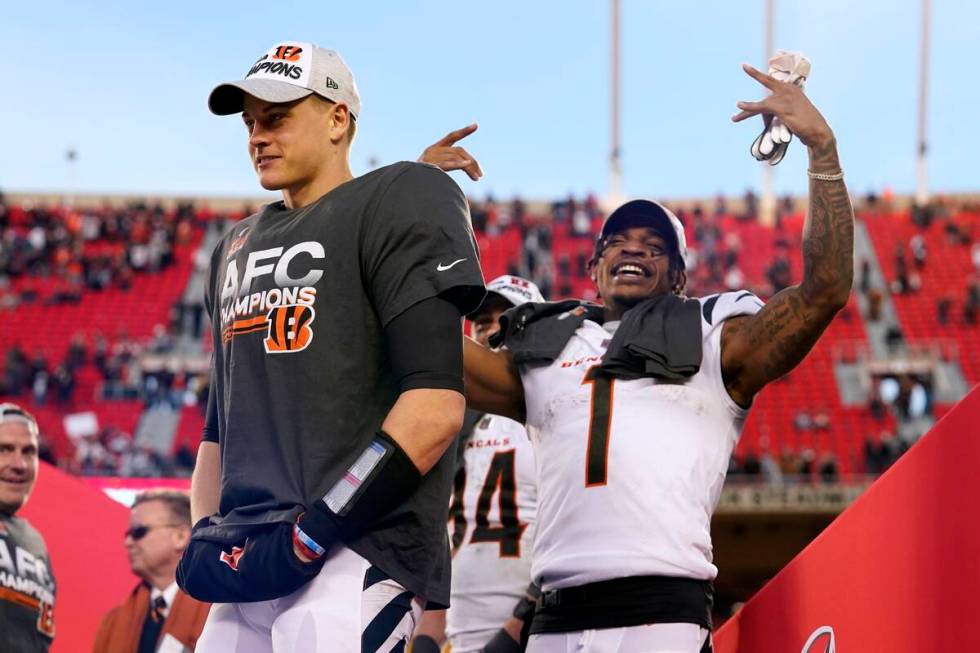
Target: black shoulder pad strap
x=536 y=333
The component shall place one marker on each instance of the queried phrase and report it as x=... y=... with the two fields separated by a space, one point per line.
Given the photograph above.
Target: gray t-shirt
x=301 y=379
x=27 y=588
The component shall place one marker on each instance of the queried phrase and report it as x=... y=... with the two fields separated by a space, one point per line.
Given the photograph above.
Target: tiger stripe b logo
x=289 y=328
x=287 y=52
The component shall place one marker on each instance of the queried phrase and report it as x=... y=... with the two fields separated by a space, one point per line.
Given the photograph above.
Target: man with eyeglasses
x=27 y=587
x=156 y=616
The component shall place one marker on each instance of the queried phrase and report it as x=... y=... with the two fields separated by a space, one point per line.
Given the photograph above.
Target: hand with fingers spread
x=787 y=102
x=446 y=155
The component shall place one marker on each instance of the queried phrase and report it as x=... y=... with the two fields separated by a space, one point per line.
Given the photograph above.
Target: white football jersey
x=630 y=471
x=492 y=529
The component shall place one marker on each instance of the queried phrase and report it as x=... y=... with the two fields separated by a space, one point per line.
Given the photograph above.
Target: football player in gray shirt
x=321 y=489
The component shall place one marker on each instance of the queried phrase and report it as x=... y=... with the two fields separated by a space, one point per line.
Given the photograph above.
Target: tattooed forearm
x=828 y=236
x=763 y=347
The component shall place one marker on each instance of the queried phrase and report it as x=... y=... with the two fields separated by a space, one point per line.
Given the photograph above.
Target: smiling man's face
x=634 y=265
x=289 y=144
x=18 y=465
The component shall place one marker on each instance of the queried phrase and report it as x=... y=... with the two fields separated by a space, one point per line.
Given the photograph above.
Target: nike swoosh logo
x=443 y=268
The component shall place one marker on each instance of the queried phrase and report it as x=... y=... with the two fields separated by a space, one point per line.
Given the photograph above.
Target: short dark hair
x=177 y=501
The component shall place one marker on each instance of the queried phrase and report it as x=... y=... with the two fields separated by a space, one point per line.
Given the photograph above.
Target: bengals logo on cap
x=289 y=328
x=287 y=52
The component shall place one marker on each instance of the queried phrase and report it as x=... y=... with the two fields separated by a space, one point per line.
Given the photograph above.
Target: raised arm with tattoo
x=760 y=348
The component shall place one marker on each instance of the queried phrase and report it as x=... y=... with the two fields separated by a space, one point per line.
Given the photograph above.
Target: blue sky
x=126 y=84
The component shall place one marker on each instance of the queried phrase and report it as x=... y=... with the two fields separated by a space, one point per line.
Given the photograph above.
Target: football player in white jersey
x=635 y=406
x=491 y=518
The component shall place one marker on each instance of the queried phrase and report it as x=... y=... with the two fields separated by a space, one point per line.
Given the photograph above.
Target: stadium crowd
x=54 y=255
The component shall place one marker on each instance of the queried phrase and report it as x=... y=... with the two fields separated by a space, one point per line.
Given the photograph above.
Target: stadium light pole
x=615 y=161
x=922 y=191
x=767 y=204
x=71 y=167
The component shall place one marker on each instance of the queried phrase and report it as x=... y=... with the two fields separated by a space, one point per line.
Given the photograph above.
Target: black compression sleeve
x=425 y=345
x=211 y=419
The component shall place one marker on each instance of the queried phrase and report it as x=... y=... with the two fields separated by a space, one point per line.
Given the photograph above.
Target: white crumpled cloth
x=772 y=143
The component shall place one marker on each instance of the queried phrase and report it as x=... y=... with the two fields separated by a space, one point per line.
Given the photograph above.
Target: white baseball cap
x=289 y=71
x=516 y=290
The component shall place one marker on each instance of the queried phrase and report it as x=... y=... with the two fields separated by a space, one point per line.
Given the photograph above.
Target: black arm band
x=381 y=478
x=425 y=644
x=425 y=346
x=501 y=642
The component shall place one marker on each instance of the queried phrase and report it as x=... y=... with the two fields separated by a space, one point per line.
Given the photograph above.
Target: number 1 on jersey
x=600 y=421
